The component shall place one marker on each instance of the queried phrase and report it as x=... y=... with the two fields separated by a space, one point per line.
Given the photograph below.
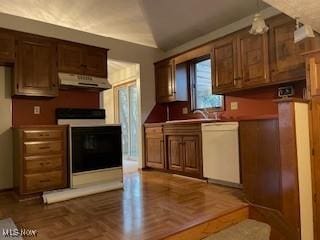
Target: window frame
x=192 y=85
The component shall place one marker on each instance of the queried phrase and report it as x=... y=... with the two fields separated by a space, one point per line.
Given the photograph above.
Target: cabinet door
x=315 y=134
x=96 y=62
x=313 y=74
x=7 y=47
x=225 y=74
x=287 y=64
x=165 y=81
x=36 y=72
x=192 y=154
x=175 y=153
x=154 y=152
x=254 y=60
x=71 y=58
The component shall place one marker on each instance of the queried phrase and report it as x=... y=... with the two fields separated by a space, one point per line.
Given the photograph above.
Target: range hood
x=84 y=81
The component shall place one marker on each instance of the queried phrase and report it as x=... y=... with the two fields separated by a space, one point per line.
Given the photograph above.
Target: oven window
x=95 y=148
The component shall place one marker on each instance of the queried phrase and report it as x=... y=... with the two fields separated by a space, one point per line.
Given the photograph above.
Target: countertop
x=235 y=119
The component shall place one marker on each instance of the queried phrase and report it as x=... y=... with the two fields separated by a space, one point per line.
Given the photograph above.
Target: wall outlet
x=234 y=105
x=185 y=110
x=36 y=110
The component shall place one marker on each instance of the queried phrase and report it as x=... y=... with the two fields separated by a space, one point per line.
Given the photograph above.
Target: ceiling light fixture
x=258 y=25
x=302 y=32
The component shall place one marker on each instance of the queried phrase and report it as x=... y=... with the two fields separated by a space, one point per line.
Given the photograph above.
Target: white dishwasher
x=220 y=149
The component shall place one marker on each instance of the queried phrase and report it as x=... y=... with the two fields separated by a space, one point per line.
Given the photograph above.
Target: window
x=202 y=86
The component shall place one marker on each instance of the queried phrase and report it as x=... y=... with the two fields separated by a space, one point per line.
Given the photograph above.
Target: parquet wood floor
x=151 y=206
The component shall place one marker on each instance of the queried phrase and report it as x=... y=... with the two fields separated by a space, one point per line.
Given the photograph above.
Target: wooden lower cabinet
x=192 y=154
x=40 y=158
x=175 y=153
x=183 y=154
x=175 y=148
x=154 y=147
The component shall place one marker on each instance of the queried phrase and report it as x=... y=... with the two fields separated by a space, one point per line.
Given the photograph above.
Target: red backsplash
x=22 y=108
x=251 y=103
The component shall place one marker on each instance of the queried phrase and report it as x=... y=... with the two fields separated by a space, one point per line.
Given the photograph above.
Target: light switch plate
x=185 y=110
x=234 y=105
x=36 y=110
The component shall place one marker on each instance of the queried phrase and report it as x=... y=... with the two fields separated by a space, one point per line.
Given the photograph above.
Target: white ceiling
x=174 y=22
x=120 y=19
x=307 y=10
x=156 y=23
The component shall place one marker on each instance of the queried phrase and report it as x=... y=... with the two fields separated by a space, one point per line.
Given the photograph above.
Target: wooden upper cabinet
x=95 y=62
x=79 y=59
x=7 y=47
x=70 y=58
x=313 y=74
x=154 y=146
x=286 y=61
x=165 y=81
x=225 y=69
x=253 y=57
x=35 y=71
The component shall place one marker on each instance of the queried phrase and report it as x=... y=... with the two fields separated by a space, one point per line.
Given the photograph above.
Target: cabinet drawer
x=38 y=148
x=42 y=134
x=43 y=164
x=38 y=182
x=154 y=130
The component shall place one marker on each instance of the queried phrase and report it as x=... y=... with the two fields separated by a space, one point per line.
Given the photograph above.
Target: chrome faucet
x=204 y=113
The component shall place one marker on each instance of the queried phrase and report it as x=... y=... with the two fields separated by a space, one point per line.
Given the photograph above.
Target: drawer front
x=43 y=164
x=42 y=134
x=154 y=130
x=39 y=148
x=43 y=182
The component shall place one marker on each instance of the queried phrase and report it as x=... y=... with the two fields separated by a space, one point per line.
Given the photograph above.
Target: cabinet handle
x=45 y=181
x=44 y=135
x=45 y=147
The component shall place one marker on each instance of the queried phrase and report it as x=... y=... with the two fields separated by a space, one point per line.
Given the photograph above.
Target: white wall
x=6 y=161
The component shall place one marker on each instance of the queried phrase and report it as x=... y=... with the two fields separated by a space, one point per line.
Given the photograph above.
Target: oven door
x=95 y=148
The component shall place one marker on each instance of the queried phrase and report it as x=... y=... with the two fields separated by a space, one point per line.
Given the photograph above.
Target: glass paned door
x=133 y=112
x=127 y=103
x=124 y=118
